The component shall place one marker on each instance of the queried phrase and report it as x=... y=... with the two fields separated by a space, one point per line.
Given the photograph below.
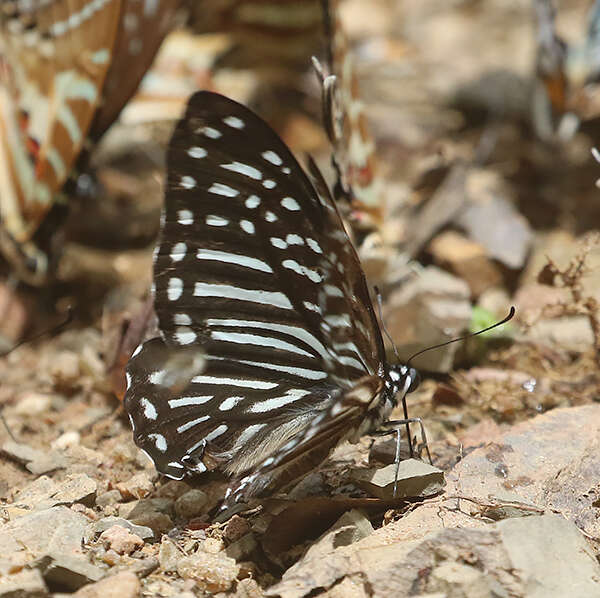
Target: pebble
x=110 y=497
x=191 y=504
x=72 y=572
x=235 y=528
x=27 y=583
x=66 y=440
x=108 y=522
x=121 y=585
x=168 y=555
x=33 y=404
x=415 y=478
x=121 y=540
x=212 y=572
x=138 y=486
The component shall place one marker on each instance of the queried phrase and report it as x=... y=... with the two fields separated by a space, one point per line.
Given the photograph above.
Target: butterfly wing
x=55 y=58
x=254 y=265
x=142 y=28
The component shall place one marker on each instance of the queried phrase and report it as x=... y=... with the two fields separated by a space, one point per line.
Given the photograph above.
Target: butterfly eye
x=415 y=379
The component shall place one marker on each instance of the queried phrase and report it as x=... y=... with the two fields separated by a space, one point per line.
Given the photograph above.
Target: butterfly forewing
x=253 y=265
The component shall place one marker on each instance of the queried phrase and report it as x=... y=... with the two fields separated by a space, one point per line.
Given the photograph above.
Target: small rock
x=248 y=588
x=431 y=308
x=107 y=522
x=151 y=512
x=33 y=404
x=236 y=528
x=36 y=461
x=67 y=440
x=110 y=497
x=243 y=548
x=213 y=545
x=191 y=504
x=492 y=220
x=44 y=492
x=67 y=571
x=55 y=530
x=168 y=555
x=143 y=567
x=212 y=572
x=138 y=486
x=415 y=478
x=121 y=540
x=27 y=583
x=466 y=259
x=121 y=585
x=172 y=489
x=64 y=369
x=453 y=579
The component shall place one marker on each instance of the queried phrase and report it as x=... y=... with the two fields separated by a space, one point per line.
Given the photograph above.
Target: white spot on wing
x=247 y=227
x=182 y=320
x=314 y=245
x=174 y=288
x=289 y=203
x=234 y=121
x=192 y=423
x=197 y=152
x=160 y=442
x=279 y=243
x=270 y=216
x=149 y=409
x=187 y=182
x=242 y=382
x=271 y=156
x=216 y=221
x=272 y=298
x=244 y=169
x=185 y=217
x=302 y=270
x=185 y=336
x=189 y=401
x=269 y=184
x=292 y=395
x=234 y=258
x=225 y=190
x=230 y=403
x=252 y=202
x=178 y=252
x=209 y=132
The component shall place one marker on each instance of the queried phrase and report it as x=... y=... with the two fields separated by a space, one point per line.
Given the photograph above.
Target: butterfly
x=254 y=269
x=67 y=67
x=567 y=74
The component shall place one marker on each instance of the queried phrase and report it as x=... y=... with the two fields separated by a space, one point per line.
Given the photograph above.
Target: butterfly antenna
x=510 y=315
x=53 y=330
x=380 y=313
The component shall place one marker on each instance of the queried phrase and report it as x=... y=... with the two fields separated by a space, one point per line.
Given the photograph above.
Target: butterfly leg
x=395 y=426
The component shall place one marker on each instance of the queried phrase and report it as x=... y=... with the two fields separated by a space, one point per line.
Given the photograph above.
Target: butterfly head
x=403 y=379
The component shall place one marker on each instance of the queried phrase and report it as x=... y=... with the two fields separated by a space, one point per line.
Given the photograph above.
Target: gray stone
x=55 y=530
x=242 y=549
x=36 y=461
x=108 y=498
x=44 y=492
x=431 y=308
x=70 y=572
x=27 y=583
x=415 y=478
x=122 y=585
x=191 y=504
x=107 y=522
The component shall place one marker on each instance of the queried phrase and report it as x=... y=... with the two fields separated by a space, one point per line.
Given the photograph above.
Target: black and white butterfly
x=254 y=267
